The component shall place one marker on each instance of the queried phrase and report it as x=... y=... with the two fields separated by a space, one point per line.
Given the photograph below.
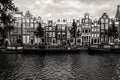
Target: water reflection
x=82 y=66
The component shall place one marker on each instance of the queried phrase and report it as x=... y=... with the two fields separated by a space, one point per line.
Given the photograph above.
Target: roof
x=118 y=12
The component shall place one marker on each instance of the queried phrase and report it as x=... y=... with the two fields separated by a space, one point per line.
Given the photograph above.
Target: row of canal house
x=91 y=32
x=24 y=28
x=57 y=33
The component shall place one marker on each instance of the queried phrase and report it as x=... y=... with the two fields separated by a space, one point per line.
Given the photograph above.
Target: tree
x=73 y=30
x=40 y=31
x=6 y=7
x=78 y=33
x=112 y=31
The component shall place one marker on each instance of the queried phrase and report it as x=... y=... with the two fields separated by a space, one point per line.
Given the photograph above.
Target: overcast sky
x=69 y=9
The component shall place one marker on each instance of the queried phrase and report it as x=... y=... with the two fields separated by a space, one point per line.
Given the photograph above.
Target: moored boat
x=6 y=51
x=12 y=50
x=99 y=49
x=19 y=49
x=104 y=49
x=51 y=50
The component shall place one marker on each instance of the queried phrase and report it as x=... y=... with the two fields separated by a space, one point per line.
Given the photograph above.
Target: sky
x=68 y=9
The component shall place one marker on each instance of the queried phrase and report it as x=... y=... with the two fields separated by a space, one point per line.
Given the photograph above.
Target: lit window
x=102 y=26
x=86 y=21
x=53 y=34
x=106 y=26
x=50 y=28
x=106 y=20
x=63 y=28
x=50 y=34
x=102 y=20
x=27 y=20
x=97 y=35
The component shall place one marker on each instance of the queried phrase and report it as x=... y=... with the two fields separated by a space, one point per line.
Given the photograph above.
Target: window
x=36 y=25
x=86 y=31
x=19 y=31
x=47 y=40
x=19 y=20
x=86 y=21
x=24 y=20
x=31 y=25
x=54 y=41
x=106 y=20
x=50 y=28
x=31 y=20
x=50 y=40
x=53 y=28
x=97 y=35
x=95 y=29
x=50 y=34
x=106 y=26
x=59 y=35
x=98 y=29
x=102 y=20
x=63 y=28
x=82 y=31
x=47 y=29
x=53 y=34
x=102 y=26
x=59 y=27
x=94 y=35
x=92 y=29
x=63 y=35
x=47 y=34
x=27 y=20
x=23 y=25
x=16 y=25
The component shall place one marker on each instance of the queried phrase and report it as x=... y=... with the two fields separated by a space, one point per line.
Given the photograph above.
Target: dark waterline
x=82 y=66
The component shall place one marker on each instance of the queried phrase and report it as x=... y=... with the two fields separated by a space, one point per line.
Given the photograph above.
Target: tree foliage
x=73 y=30
x=40 y=31
x=112 y=31
x=6 y=7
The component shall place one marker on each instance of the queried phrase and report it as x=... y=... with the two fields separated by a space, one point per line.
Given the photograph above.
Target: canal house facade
x=29 y=26
x=95 y=33
x=50 y=33
x=104 y=26
x=24 y=28
x=16 y=34
x=86 y=30
x=117 y=20
x=61 y=32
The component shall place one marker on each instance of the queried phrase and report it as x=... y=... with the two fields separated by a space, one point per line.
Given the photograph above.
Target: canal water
x=81 y=66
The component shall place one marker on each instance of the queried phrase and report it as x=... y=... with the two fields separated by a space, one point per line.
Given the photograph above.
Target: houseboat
x=12 y=49
x=48 y=49
x=104 y=49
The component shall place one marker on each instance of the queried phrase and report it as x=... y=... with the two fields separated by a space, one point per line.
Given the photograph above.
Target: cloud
x=55 y=9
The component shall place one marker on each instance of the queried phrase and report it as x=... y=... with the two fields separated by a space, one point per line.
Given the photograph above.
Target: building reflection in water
x=81 y=66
